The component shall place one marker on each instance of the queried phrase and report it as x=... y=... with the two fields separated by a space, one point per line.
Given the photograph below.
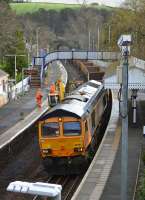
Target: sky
x=106 y=2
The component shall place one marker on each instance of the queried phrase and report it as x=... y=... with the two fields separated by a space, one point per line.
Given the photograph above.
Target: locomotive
x=68 y=131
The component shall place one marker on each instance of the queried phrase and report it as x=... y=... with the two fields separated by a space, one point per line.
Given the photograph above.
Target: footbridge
x=42 y=62
x=75 y=55
x=136 y=70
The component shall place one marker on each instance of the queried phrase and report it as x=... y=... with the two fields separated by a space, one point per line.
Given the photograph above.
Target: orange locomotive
x=67 y=133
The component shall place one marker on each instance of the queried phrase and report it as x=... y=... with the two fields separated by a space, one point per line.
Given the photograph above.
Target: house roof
x=3 y=73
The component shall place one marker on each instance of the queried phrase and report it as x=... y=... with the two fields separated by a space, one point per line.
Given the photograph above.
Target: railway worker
x=61 y=87
x=52 y=88
x=38 y=97
x=52 y=95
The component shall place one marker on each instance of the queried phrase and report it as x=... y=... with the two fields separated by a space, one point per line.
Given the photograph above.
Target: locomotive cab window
x=50 y=129
x=71 y=128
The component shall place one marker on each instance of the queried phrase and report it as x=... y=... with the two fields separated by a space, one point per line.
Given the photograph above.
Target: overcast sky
x=106 y=2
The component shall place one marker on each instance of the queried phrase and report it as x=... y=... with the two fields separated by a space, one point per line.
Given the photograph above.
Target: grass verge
x=23 y=8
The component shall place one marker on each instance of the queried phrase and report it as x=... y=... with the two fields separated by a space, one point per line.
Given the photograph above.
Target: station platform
x=103 y=178
x=19 y=114
x=112 y=190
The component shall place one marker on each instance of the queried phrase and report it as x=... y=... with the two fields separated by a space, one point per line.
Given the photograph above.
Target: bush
x=143 y=157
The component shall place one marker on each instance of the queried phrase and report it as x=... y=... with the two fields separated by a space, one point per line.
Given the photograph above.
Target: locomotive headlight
x=59 y=119
x=47 y=151
x=78 y=149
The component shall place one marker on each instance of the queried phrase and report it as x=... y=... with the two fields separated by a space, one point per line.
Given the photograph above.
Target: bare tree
x=8 y=26
x=135 y=5
x=83 y=29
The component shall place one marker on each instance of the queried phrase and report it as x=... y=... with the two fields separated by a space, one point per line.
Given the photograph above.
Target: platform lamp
x=124 y=43
x=38 y=188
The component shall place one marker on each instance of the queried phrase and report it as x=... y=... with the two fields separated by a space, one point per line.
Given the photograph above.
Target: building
x=3 y=87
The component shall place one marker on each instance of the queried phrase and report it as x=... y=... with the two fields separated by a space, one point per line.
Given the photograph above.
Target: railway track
x=68 y=183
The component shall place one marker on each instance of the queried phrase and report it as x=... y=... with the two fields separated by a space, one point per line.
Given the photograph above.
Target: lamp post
x=124 y=43
x=37 y=41
x=109 y=34
x=89 y=45
x=98 y=46
x=15 y=57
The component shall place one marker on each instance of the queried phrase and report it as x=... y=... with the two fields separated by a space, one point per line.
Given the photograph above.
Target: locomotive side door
x=87 y=134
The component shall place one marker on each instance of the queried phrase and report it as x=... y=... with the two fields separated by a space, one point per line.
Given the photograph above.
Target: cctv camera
x=124 y=40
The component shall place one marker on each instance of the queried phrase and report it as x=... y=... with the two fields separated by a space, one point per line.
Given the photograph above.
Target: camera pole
x=124 y=43
x=124 y=153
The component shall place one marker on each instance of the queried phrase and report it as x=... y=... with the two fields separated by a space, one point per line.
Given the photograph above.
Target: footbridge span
x=75 y=55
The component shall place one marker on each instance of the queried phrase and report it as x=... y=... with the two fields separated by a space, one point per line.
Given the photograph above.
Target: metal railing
x=114 y=86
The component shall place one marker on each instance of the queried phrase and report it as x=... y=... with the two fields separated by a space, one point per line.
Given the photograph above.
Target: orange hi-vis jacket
x=52 y=88
x=39 y=98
